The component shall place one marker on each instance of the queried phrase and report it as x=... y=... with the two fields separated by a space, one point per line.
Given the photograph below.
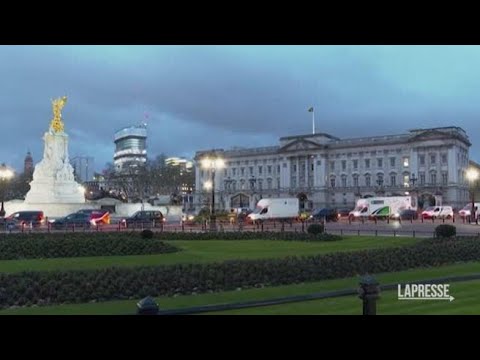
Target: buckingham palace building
x=326 y=171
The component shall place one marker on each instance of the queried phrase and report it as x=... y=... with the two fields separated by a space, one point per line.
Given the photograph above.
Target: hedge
x=66 y=245
x=41 y=288
x=234 y=235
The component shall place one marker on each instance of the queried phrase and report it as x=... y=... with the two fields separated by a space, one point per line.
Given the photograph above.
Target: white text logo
x=424 y=292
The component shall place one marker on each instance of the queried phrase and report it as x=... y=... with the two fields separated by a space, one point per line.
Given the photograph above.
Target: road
x=381 y=228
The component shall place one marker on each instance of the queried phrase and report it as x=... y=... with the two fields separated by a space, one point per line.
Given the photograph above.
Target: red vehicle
x=97 y=217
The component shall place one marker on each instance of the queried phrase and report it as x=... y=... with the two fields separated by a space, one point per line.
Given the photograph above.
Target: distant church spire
x=28 y=163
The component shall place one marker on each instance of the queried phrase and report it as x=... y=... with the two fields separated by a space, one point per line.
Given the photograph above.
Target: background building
x=184 y=164
x=130 y=147
x=324 y=170
x=83 y=168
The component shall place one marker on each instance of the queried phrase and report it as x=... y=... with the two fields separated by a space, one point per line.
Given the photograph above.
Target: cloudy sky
x=199 y=97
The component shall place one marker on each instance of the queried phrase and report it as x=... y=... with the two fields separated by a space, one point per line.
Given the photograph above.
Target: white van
x=438 y=212
x=278 y=208
x=392 y=204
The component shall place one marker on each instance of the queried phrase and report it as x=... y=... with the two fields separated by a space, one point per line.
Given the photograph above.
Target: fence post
x=413 y=233
x=183 y=227
x=369 y=292
x=283 y=226
x=262 y=226
x=394 y=233
x=147 y=306
x=443 y=219
x=358 y=232
x=376 y=232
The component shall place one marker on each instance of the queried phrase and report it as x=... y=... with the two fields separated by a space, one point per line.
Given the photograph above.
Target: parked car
x=144 y=219
x=466 y=211
x=324 y=214
x=438 y=212
x=343 y=213
x=25 y=218
x=188 y=217
x=406 y=214
x=98 y=217
x=73 y=220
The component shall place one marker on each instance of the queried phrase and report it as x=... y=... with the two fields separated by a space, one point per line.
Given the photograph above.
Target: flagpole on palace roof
x=313 y=119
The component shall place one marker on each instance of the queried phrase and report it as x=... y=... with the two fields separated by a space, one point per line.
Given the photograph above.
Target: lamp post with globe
x=472 y=176
x=6 y=175
x=212 y=164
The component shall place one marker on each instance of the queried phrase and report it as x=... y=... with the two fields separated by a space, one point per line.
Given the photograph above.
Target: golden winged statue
x=57 y=105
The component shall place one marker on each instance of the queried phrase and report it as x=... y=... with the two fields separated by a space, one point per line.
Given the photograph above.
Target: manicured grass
x=208 y=251
x=465 y=293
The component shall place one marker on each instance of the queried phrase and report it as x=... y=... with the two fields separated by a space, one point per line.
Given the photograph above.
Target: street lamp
x=5 y=175
x=472 y=176
x=212 y=164
x=413 y=180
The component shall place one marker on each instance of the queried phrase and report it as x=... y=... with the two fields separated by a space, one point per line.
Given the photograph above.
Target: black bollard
x=147 y=306
x=369 y=292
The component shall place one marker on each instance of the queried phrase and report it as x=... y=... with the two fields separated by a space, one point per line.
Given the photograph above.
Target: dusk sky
x=199 y=97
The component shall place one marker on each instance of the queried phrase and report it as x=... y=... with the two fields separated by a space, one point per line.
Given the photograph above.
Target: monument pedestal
x=53 y=179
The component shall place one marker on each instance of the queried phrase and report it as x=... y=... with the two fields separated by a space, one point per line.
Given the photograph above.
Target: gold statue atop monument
x=57 y=105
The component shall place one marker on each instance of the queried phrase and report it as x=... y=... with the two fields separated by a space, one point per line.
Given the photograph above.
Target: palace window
x=355 y=180
x=393 y=180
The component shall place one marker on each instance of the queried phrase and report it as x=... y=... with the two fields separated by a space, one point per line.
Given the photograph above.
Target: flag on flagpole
x=310 y=110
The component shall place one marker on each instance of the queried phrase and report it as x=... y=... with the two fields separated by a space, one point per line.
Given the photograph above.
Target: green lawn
x=466 y=298
x=208 y=251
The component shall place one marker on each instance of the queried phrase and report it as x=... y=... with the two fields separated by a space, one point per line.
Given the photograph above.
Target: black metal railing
x=368 y=292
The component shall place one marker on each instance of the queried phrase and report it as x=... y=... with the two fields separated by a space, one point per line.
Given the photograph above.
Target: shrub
x=147 y=234
x=445 y=231
x=315 y=229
